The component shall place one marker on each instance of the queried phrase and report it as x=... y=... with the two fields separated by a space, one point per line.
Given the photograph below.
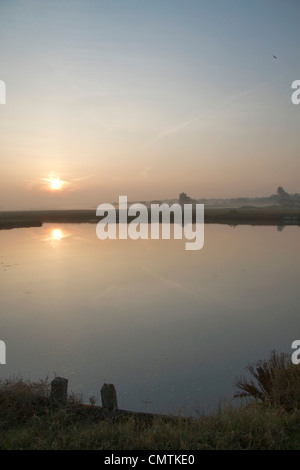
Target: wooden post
x=109 y=397
x=59 y=390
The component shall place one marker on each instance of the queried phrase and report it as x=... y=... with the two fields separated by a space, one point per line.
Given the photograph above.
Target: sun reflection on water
x=56 y=234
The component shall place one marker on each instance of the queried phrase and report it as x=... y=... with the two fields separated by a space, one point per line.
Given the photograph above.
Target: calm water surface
x=170 y=328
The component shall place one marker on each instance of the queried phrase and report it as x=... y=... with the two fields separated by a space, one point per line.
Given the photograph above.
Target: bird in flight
x=274 y=56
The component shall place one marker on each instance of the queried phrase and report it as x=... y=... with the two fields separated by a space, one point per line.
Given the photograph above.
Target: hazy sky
x=147 y=98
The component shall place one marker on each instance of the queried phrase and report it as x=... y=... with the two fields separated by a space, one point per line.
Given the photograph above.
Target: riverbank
x=247 y=215
x=30 y=419
x=72 y=428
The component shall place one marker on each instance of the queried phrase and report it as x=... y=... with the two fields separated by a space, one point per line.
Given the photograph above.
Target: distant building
x=185 y=199
x=287 y=200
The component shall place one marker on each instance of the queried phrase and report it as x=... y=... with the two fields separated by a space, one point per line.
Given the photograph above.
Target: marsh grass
x=20 y=400
x=29 y=420
x=276 y=382
x=235 y=429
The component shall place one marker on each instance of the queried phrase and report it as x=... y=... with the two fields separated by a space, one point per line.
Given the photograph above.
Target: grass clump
x=20 y=400
x=276 y=382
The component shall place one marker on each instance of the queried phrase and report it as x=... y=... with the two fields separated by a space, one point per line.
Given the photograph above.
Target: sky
x=147 y=99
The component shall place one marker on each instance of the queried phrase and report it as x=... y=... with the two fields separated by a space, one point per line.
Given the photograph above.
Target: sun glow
x=55 y=184
x=56 y=234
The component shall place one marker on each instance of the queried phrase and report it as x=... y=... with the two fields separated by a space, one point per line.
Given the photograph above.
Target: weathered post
x=109 y=397
x=59 y=390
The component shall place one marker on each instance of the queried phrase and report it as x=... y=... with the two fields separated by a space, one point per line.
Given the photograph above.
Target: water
x=170 y=328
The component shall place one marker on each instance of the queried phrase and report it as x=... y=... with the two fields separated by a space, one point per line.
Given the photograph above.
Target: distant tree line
x=281 y=197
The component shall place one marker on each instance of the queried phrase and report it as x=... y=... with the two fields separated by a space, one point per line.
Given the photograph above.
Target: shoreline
x=247 y=215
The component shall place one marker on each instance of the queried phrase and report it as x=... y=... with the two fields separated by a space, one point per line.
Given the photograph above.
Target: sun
x=55 y=183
